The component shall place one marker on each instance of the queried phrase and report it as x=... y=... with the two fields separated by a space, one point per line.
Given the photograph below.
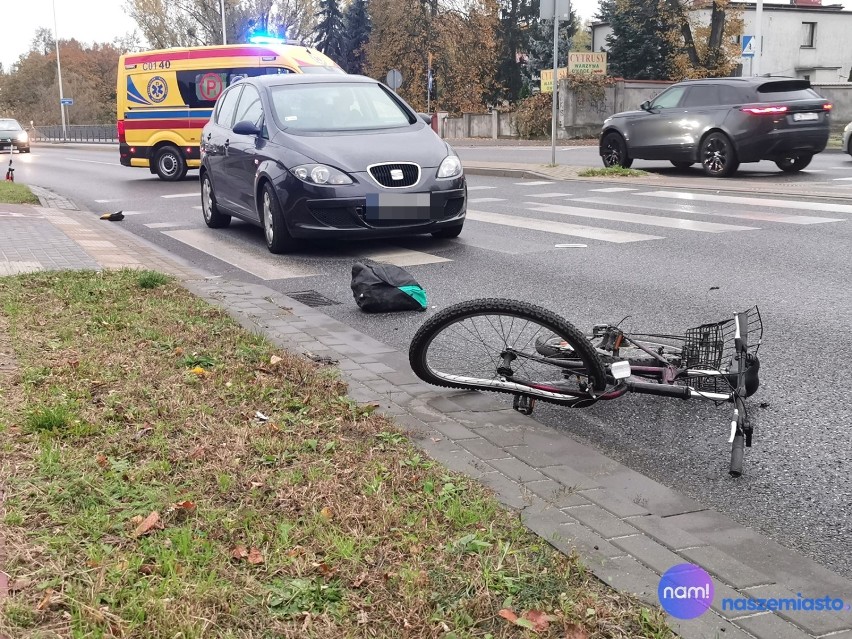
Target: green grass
x=14 y=193
x=612 y=171
x=147 y=500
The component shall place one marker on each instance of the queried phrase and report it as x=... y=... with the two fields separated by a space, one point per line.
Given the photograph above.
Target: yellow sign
x=547 y=78
x=587 y=62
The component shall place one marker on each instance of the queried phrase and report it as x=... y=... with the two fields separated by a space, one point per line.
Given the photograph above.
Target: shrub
x=532 y=117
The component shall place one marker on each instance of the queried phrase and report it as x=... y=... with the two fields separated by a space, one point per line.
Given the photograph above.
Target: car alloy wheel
x=206 y=198
x=614 y=151
x=717 y=156
x=794 y=163
x=268 y=224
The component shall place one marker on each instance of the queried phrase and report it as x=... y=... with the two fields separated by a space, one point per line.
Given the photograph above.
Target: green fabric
x=416 y=292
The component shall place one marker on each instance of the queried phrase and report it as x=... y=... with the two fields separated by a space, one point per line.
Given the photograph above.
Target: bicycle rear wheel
x=491 y=345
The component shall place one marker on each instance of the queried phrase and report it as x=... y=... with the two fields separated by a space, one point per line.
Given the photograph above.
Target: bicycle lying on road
x=524 y=350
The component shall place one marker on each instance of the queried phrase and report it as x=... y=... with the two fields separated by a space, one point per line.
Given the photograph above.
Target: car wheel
x=682 y=165
x=718 y=156
x=614 y=151
x=26 y=150
x=213 y=217
x=794 y=163
x=449 y=232
x=169 y=164
x=278 y=238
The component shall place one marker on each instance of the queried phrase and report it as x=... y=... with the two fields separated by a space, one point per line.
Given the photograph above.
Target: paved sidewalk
x=627 y=528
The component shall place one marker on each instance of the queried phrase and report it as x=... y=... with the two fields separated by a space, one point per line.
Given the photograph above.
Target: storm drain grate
x=312 y=298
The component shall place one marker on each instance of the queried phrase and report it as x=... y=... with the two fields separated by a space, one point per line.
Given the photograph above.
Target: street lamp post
x=224 y=36
x=59 y=74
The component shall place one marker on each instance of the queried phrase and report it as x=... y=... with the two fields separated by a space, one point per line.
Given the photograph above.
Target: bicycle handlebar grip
x=737 y=452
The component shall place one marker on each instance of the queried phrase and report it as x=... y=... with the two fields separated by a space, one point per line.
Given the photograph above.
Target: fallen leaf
x=325 y=513
x=324 y=569
x=47 y=599
x=575 y=631
x=197 y=452
x=539 y=620
x=74 y=363
x=295 y=551
x=199 y=371
x=102 y=461
x=179 y=351
x=146 y=569
x=359 y=580
x=254 y=556
x=136 y=520
x=239 y=552
x=275 y=360
x=148 y=524
x=508 y=615
x=185 y=505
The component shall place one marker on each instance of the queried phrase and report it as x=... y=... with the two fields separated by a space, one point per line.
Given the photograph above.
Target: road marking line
x=273 y=267
x=548 y=195
x=480 y=188
x=477 y=200
x=104 y=201
x=198 y=208
x=614 y=189
x=174 y=195
x=561 y=228
x=402 y=257
x=534 y=183
x=758 y=216
x=756 y=201
x=840 y=179
x=162 y=225
x=93 y=161
x=135 y=212
x=638 y=218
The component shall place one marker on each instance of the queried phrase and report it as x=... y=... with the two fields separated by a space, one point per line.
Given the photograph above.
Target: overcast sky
x=95 y=21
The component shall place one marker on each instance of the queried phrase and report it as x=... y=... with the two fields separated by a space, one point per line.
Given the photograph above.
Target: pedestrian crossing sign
x=748 y=46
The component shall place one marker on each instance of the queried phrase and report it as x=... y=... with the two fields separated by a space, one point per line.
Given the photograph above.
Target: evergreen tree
x=641 y=46
x=329 y=33
x=357 y=25
x=540 y=47
x=516 y=17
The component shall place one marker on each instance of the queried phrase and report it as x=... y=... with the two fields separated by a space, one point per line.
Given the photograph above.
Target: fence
x=75 y=133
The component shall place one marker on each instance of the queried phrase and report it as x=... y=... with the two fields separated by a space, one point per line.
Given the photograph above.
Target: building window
x=808 y=33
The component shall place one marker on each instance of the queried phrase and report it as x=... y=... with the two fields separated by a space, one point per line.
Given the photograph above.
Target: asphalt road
x=668 y=258
x=825 y=166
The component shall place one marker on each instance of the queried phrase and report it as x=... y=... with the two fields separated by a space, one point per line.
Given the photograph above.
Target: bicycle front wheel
x=494 y=345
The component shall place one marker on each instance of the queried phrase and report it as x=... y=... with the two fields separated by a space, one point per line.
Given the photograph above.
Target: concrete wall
x=581 y=117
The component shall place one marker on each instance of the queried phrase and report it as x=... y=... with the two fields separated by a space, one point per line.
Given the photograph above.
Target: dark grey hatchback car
x=722 y=122
x=313 y=156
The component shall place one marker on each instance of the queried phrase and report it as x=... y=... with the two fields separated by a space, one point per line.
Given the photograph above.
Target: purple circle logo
x=685 y=591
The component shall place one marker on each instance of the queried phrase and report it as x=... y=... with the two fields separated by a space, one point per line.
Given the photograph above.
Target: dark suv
x=720 y=123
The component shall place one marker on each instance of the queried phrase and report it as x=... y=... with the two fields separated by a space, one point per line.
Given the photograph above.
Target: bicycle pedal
x=524 y=404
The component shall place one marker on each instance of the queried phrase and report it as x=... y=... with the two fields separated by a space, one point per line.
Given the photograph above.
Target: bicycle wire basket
x=712 y=347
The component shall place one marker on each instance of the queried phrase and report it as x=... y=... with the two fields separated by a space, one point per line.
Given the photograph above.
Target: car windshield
x=336 y=107
x=10 y=125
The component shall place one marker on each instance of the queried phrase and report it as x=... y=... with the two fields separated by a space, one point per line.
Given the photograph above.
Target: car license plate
x=799 y=117
x=399 y=206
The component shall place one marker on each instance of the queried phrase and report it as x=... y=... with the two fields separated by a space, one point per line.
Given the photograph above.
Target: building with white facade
x=803 y=39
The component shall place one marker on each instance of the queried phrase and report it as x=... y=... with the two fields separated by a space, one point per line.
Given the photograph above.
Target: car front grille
x=384 y=174
x=336 y=216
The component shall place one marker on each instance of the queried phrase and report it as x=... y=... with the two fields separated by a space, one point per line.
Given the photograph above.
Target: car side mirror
x=646 y=105
x=425 y=117
x=245 y=127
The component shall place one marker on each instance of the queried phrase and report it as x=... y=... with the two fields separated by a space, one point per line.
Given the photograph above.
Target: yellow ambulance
x=165 y=97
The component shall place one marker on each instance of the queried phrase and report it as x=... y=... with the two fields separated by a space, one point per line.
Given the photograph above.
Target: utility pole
x=554 y=9
x=758 y=38
x=59 y=74
x=224 y=35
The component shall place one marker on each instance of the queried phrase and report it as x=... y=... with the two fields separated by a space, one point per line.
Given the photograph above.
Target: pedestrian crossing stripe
x=752 y=201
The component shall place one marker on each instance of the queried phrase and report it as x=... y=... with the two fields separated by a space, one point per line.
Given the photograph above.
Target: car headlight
x=450 y=167
x=320 y=174
x=23 y=137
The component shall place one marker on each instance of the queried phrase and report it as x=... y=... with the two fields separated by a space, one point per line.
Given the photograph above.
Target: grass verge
x=612 y=171
x=172 y=475
x=13 y=193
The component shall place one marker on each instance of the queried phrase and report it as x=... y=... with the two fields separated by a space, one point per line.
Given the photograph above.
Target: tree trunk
x=717 y=31
x=686 y=30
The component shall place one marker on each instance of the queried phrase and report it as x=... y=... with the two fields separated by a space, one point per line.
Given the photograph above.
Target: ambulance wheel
x=169 y=164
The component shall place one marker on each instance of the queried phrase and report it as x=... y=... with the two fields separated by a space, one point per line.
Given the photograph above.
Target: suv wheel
x=614 y=151
x=794 y=163
x=718 y=156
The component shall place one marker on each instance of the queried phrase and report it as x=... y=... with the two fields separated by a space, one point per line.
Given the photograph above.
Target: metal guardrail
x=75 y=133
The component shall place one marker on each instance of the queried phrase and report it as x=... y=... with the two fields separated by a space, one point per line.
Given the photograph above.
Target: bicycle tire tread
x=435 y=324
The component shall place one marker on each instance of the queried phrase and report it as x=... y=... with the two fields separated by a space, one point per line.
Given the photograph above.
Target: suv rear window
x=786 y=90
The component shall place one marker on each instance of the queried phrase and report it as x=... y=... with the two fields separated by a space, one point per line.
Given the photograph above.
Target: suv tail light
x=121 y=136
x=827 y=107
x=767 y=110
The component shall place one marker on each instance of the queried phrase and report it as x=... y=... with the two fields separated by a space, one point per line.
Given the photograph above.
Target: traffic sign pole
x=758 y=38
